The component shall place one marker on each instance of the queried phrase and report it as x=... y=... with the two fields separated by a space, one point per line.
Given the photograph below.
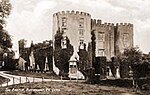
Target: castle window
x=64 y=44
x=64 y=30
x=100 y=44
x=64 y=22
x=81 y=32
x=81 y=41
x=81 y=23
x=81 y=44
x=101 y=36
x=125 y=39
x=101 y=52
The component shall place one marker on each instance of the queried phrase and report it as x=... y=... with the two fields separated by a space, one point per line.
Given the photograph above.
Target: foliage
x=57 y=48
x=9 y=61
x=113 y=65
x=132 y=55
x=58 y=38
x=89 y=59
x=93 y=38
x=124 y=70
x=62 y=56
x=49 y=52
x=41 y=59
x=5 y=8
x=134 y=58
x=65 y=55
x=90 y=70
x=41 y=51
x=83 y=60
x=5 y=39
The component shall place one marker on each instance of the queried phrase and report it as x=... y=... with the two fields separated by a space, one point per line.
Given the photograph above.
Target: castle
x=111 y=39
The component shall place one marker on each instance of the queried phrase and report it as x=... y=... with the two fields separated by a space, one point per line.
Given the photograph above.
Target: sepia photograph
x=74 y=47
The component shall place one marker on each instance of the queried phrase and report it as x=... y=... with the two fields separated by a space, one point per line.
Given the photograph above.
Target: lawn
x=106 y=87
x=65 y=88
x=2 y=80
x=48 y=75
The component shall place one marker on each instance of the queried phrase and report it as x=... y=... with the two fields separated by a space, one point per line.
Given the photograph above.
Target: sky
x=32 y=19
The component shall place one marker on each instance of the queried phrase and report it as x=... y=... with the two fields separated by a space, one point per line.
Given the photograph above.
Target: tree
x=62 y=56
x=9 y=61
x=41 y=51
x=5 y=39
x=82 y=64
x=5 y=8
x=93 y=38
x=133 y=58
x=90 y=71
x=49 y=51
x=57 y=48
x=130 y=57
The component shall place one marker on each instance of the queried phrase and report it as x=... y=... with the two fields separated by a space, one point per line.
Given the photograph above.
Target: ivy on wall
x=62 y=56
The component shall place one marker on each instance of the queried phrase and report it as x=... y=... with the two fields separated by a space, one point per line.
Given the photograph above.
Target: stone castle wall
x=75 y=25
x=123 y=37
x=111 y=39
x=104 y=38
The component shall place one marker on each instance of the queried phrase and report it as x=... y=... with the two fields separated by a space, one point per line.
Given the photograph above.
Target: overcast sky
x=32 y=19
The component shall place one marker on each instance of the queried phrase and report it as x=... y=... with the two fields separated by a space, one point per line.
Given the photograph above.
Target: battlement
x=99 y=23
x=108 y=24
x=72 y=13
x=124 y=24
x=96 y=22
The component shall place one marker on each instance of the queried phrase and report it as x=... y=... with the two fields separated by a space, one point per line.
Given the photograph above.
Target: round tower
x=75 y=25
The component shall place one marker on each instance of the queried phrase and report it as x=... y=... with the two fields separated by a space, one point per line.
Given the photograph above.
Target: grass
x=108 y=87
x=49 y=75
x=2 y=80
x=64 y=88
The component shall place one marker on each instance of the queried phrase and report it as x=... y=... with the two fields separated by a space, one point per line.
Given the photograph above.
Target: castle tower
x=111 y=40
x=104 y=38
x=75 y=25
x=123 y=37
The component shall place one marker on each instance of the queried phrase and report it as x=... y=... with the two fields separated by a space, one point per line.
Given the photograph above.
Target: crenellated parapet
x=108 y=24
x=72 y=13
x=129 y=25
x=98 y=23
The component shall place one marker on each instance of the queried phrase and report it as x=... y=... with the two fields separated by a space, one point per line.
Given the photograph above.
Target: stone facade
x=105 y=34
x=75 y=25
x=123 y=37
x=111 y=39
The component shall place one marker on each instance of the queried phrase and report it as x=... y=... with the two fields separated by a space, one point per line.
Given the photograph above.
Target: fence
x=19 y=80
